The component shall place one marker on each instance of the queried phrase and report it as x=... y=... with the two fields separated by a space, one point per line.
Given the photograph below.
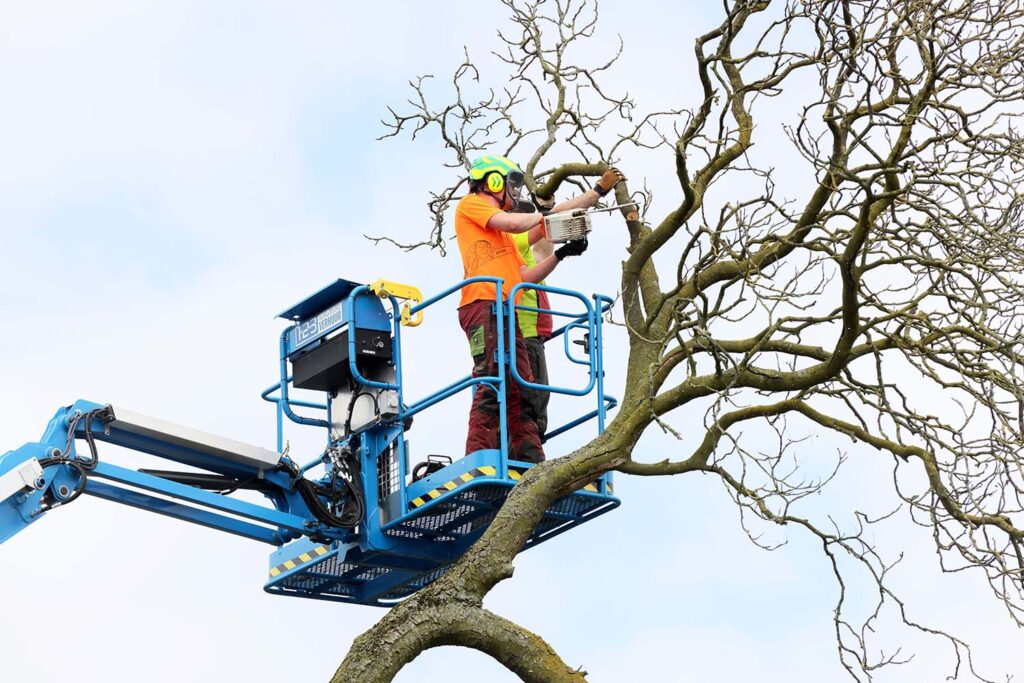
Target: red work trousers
x=480 y=325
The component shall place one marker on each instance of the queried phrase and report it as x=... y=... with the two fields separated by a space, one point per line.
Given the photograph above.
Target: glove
x=609 y=179
x=571 y=248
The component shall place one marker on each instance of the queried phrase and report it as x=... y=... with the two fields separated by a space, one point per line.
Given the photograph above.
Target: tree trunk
x=450 y=610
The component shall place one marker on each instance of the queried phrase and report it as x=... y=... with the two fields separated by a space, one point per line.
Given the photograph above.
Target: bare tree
x=886 y=287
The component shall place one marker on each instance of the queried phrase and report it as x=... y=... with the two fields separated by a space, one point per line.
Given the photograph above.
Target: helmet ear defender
x=495 y=182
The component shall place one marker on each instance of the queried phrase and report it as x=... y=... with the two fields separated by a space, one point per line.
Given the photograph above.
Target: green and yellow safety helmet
x=496 y=171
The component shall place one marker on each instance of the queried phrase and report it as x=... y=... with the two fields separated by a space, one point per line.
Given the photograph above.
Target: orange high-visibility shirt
x=485 y=251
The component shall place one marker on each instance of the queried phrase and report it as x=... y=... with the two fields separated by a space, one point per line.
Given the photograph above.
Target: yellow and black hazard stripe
x=485 y=471
x=593 y=486
x=304 y=558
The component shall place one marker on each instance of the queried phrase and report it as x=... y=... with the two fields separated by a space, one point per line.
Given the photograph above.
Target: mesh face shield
x=515 y=181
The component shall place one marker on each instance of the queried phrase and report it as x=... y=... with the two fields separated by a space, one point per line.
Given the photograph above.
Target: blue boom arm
x=41 y=476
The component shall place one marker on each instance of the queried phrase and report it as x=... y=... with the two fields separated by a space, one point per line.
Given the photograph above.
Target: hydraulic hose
x=348 y=519
x=81 y=465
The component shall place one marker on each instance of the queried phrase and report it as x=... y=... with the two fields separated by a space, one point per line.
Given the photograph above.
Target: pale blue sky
x=171 y=176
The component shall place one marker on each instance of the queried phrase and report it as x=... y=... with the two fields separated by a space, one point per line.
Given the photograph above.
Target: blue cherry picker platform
x=355 y=523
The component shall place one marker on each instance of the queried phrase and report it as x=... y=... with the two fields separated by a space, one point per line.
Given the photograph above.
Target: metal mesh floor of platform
x=458 y=518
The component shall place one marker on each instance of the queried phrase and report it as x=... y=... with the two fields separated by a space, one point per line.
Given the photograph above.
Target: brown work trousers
x=480 y=325
x=538 y=398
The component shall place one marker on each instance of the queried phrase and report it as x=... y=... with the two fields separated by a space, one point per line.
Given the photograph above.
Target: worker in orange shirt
x=485 y=221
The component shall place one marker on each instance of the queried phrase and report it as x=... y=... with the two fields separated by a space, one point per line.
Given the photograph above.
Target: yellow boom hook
x=411 y=295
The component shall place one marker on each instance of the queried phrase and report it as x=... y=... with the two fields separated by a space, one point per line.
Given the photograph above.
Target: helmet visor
x=515 y=180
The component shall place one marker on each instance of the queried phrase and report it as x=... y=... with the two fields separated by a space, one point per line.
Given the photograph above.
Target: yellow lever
x=386 y=288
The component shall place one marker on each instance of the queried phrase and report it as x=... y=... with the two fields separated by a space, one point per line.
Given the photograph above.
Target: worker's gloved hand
x=609 y=179
x=571 y=248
